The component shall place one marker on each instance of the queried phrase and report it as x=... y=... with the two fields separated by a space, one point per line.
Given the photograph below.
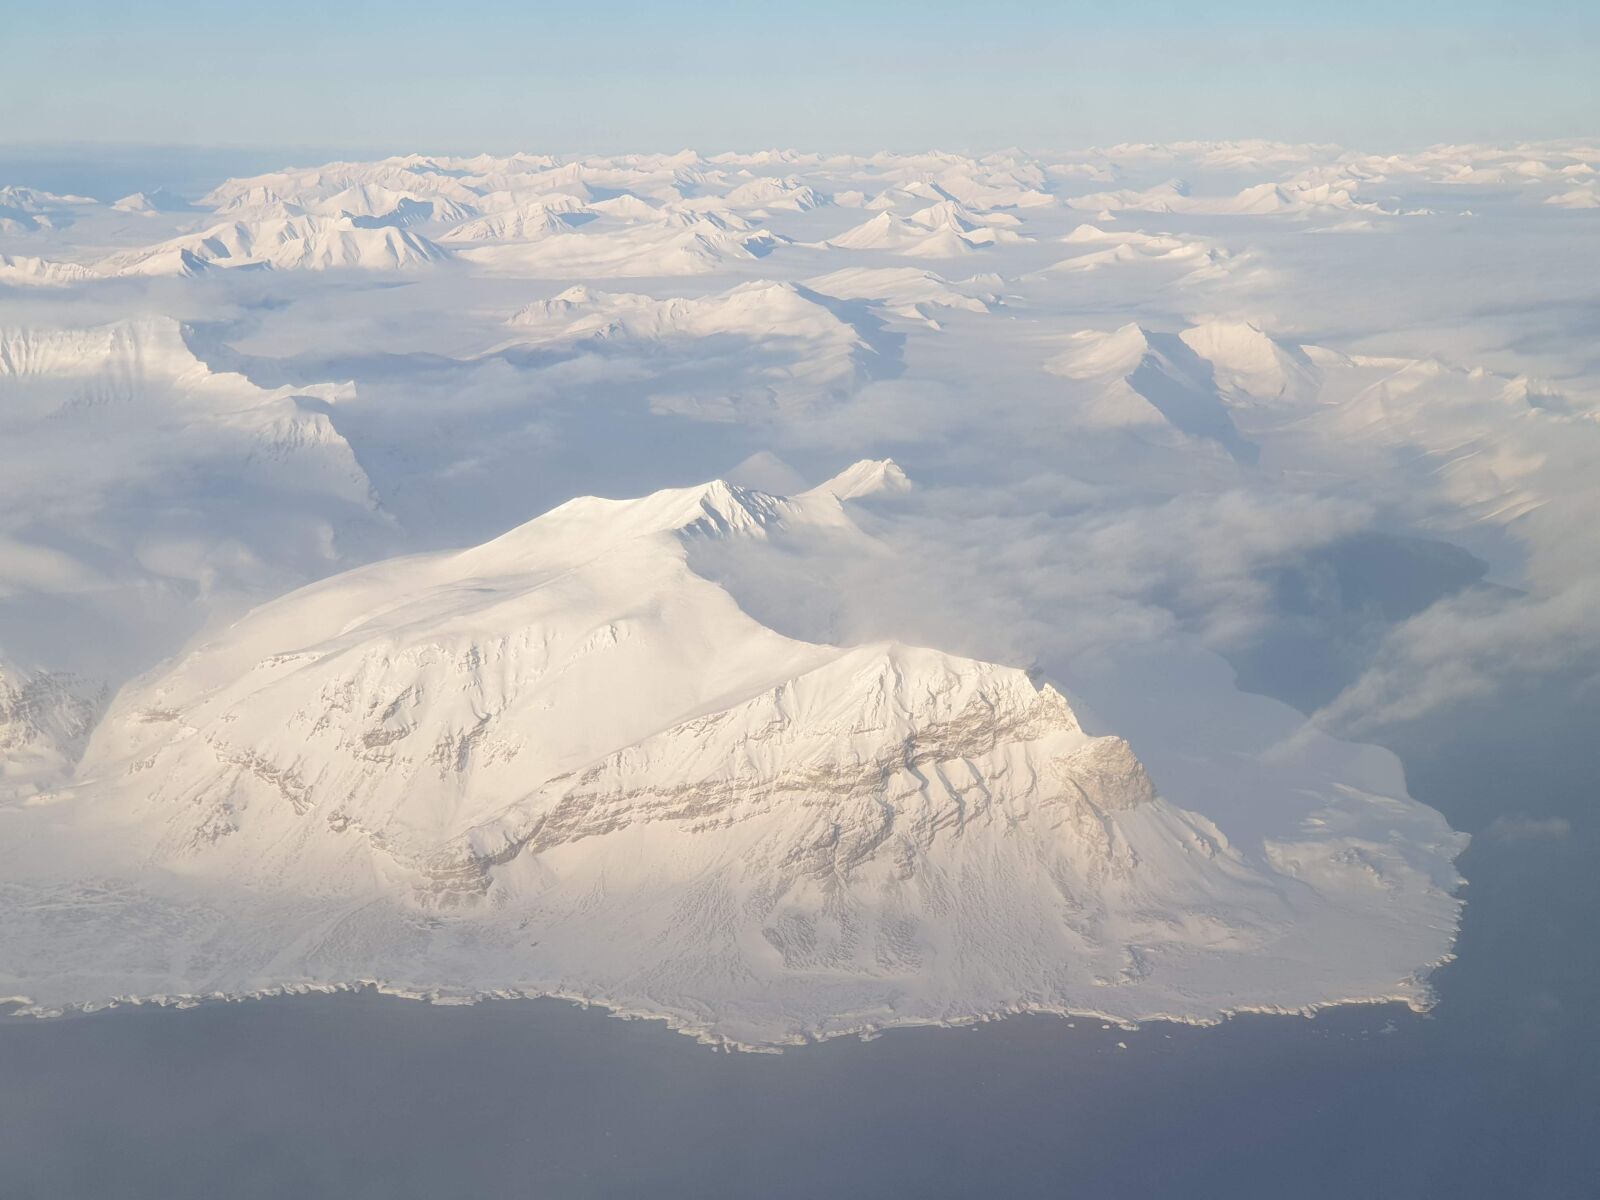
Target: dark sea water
x=1496 y=1093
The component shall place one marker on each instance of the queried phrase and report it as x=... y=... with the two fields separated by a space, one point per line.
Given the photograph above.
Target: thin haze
x=404 y=75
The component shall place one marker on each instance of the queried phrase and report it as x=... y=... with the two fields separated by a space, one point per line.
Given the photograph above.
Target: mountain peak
x=725 y=507
x=1092 y=353
x=1250 y=363
x=868 y=477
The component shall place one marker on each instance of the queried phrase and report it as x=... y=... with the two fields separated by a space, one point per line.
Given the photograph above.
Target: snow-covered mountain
x=1253 y=368
x=1302 y=197
x=141 y=380
x=157 y=200
x=525 y=222
x=911 y=239
x=26 y=270
x=909 y=291
x=696 y=245
x=1151 y=383
x=28 y=210
x=445 y=707
x=288 y=243
x=787 y=344
x=774 y=194
x=564 y=761
x=1197 y=258
x=760 y=308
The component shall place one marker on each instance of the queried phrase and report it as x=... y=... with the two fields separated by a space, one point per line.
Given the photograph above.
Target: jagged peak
x=593 y=525
x=716 y=508
x=723 y=507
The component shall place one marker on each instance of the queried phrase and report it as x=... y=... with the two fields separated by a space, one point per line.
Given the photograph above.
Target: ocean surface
x=1495 y=1093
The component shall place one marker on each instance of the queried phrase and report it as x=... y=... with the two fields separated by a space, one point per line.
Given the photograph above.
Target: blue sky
x=421 y=74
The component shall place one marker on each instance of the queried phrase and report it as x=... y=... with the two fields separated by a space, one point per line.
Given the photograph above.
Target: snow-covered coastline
x=564 y=764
